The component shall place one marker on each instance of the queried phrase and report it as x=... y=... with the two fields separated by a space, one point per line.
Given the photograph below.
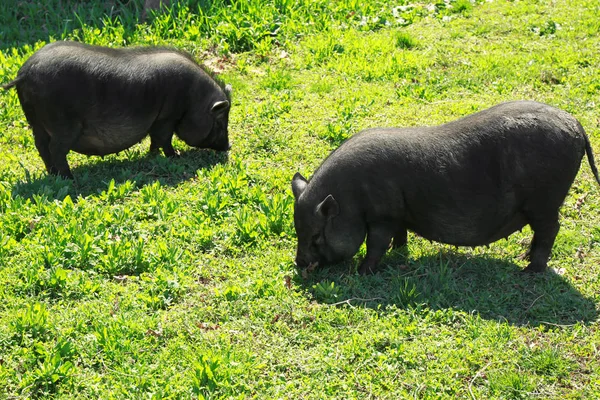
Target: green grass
x=157 y=278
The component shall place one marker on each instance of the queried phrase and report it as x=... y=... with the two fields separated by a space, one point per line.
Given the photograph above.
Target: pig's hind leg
x=64 y=135
x=544 y=234
x=41 y=137
x=56 y=132
x=42 y=143
x=53 y=151
x=541 y=213
x=59 y=147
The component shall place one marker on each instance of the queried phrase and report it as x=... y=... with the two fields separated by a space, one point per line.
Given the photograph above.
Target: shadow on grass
x=95 y=176
x=28 y=21
x=496 y=289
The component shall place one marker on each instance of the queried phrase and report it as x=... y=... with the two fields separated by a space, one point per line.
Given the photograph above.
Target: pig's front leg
x=379 y=236
x=161 y=135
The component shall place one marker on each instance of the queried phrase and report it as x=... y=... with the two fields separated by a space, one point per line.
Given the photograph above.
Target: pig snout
x=306 y=268
x=221 y=144
x=300 y=262
x=304 y=263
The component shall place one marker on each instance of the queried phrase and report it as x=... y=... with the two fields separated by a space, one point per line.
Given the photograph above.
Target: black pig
x=467 y=183
x=98 y=100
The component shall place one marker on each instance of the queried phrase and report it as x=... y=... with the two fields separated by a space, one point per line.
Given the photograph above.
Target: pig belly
x=107 y=140
x=471 y=232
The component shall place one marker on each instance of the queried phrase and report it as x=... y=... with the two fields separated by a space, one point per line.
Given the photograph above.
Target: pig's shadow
x=496 y=289
x=94 y=176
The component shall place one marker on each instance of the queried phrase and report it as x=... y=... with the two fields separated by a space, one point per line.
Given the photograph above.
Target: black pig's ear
x=219 y=107
x=298 y=185
x=328 y=208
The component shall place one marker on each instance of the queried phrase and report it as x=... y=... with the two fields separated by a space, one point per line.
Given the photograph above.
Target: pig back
x=111 y=96
x=464 y=182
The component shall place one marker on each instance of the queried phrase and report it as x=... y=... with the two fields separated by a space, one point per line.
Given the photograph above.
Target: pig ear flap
x=328 y=208
x=299 y=184
x=219 y=107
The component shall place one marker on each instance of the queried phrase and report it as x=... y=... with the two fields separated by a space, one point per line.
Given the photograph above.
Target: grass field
x=148 y=277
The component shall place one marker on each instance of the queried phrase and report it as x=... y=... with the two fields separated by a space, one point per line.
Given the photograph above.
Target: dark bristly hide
x=98 y=100
x=467 y=183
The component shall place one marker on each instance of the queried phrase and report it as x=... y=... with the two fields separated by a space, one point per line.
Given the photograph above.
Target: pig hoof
x=534 y=268
x=366 y=270
x=64 y=175
x=398 y=245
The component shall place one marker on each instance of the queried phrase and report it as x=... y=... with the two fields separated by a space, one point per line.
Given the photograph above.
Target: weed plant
x=149 y=277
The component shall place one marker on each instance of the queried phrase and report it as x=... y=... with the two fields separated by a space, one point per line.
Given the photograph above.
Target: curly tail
x=8 y=85
x=590 y=157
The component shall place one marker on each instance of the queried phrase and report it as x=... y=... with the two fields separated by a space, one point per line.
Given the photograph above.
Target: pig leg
x=60 y=136
x=400 y=238
x=41 y=137
x=59 y=148
x=42 y=143
x=541 y=246
x=161 y=136
x=378 y=241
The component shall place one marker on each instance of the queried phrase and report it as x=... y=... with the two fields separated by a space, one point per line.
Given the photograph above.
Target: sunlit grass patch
x=174 y=278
